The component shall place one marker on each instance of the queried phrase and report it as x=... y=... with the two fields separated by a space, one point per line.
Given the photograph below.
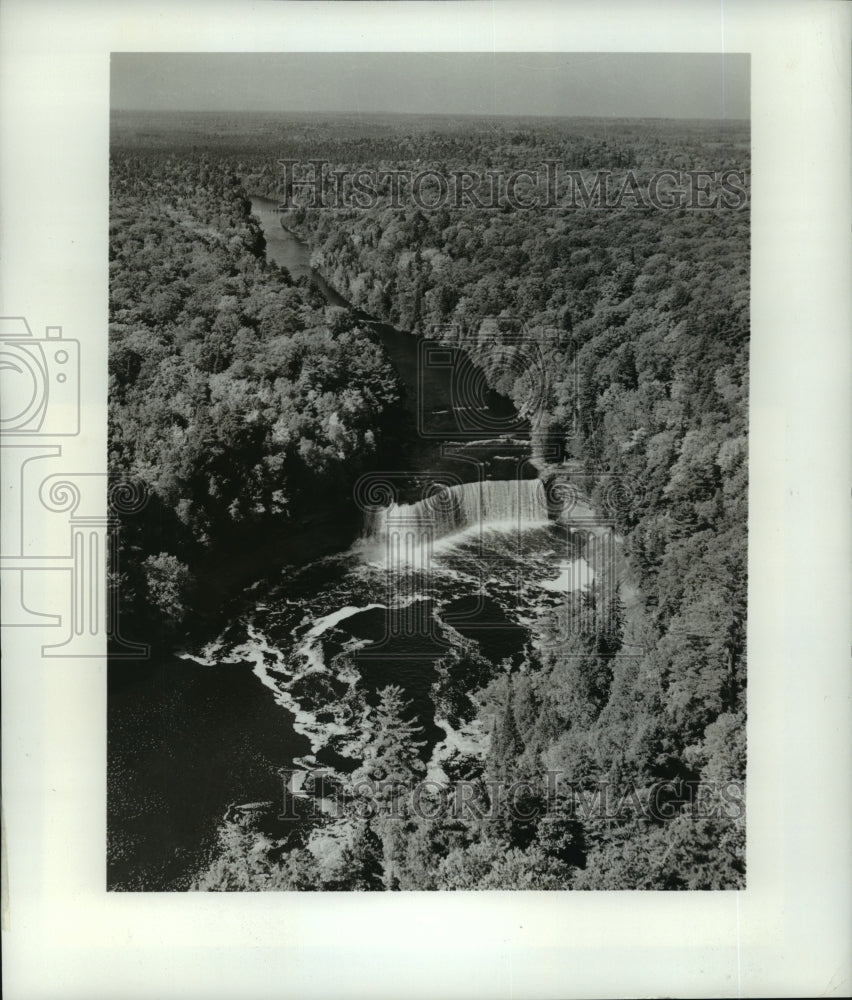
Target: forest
x=242 y=405
x=237 y=399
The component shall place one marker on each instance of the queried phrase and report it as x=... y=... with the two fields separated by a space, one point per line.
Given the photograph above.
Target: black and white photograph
x=431 y=416
x=425 y=460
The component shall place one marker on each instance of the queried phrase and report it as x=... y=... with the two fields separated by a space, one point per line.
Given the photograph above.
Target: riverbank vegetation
x=226 y=388
x=240 y=404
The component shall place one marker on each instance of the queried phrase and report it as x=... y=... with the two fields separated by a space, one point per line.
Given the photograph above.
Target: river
x=287 y=250
x=458 y=544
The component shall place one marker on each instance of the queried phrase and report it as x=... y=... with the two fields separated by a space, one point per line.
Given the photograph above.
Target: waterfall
x=506 y=503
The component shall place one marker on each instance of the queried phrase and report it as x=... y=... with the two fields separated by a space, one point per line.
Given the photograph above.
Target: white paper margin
x=788 y=933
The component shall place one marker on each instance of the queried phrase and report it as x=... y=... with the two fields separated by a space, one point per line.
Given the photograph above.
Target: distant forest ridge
x=218 y=131
x=241 y=402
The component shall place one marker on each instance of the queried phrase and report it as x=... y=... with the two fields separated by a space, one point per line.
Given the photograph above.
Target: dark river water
x=460 y=544
x=287 y=250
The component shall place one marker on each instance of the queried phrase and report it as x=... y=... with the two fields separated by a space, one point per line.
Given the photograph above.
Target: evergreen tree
x=391 y=755
x=361 y=864
x=506 y=743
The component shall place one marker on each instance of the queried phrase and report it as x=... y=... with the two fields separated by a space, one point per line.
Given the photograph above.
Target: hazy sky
x=607 y=85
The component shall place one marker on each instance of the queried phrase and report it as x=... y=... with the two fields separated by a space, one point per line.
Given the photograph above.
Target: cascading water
x=500 y=504
x=328 y=633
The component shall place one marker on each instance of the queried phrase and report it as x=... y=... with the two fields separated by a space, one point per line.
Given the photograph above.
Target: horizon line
x=418 y=114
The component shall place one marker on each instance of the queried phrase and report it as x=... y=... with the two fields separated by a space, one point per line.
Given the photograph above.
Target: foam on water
x=492 y=538
x=469 y=739
x=574 y=574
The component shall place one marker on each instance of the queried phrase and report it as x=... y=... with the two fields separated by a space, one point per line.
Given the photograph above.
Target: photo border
x=787 y=932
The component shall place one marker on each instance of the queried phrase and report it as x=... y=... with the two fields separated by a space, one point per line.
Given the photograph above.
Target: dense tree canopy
x=237 y=398
x=238 y=402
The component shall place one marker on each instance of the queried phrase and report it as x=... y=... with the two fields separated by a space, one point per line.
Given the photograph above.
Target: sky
x=618 y=85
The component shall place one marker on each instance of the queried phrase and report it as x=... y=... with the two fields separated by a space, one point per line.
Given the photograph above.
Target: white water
x=310 y=650
x=574 y=574
x=501 y=504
